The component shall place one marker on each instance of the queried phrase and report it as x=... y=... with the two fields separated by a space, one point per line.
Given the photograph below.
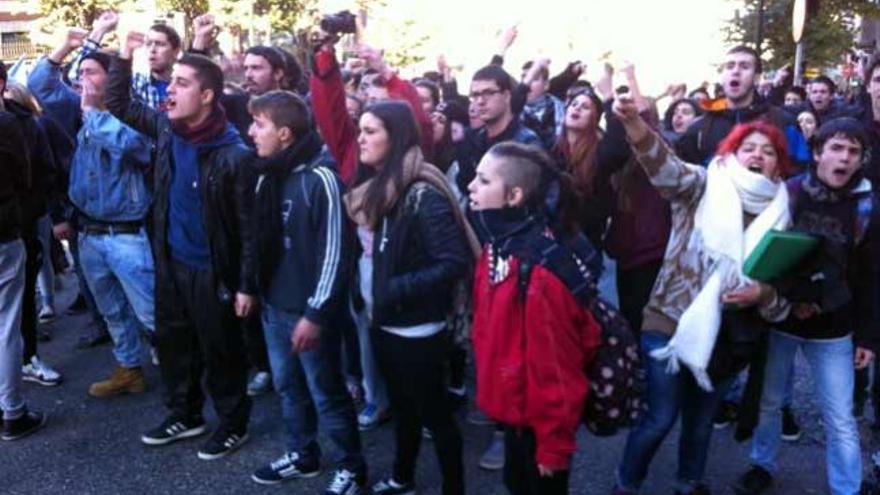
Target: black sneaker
x=391 y=487
x=29 y=422
x=727 y=413
x=287 y=467
x=173 y=429
x=791 y=432
x=345 y=482
x=221 y=444
x=753 y=482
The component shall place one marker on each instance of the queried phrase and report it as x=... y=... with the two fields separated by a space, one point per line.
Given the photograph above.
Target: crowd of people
x=357 y=242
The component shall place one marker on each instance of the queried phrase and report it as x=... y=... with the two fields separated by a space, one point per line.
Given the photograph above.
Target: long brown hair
x=403 y=134
x=580 y=156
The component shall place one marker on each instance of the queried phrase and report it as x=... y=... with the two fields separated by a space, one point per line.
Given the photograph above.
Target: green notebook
x=777 y=253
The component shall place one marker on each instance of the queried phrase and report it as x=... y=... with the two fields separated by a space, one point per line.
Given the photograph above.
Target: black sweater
x=842 y=275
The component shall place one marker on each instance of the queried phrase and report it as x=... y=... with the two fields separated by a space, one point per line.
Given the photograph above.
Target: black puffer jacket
x=419 y=252
x=14 y=176
x=226 y=184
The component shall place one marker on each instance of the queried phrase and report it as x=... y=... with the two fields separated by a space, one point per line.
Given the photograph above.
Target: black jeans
x=861 y=391
x=634 y=289
x=413 y=370
x=521 y=475
x=197 y=335
x=255 y=342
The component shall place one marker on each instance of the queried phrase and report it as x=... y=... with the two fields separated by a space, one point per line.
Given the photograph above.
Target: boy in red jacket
x=533 y=336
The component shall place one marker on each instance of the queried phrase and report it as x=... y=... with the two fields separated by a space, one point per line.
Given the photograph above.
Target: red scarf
x=205 y=132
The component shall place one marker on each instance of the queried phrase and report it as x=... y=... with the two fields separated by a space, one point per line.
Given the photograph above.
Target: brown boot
x=123 y=380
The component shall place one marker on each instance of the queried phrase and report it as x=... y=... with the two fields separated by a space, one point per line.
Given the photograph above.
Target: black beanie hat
x=100 y=57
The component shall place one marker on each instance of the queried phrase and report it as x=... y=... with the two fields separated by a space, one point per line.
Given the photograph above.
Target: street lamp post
x=759 y=42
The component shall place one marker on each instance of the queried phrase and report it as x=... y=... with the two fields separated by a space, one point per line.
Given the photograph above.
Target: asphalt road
x=91 y=446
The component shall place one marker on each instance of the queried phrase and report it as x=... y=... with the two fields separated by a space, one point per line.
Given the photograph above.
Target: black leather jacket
x=419 y=252
x=226 y=185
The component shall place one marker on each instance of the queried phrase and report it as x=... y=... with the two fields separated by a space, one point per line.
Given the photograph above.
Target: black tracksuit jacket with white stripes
x=310 y=265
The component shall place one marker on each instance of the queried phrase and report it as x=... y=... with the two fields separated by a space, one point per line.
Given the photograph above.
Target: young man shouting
x=203 y=245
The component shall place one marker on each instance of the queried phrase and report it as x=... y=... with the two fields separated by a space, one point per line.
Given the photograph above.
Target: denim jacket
x=108 y=174
x=57 y=98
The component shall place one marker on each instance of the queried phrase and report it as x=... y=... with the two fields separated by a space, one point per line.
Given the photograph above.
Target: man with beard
x=741 y=103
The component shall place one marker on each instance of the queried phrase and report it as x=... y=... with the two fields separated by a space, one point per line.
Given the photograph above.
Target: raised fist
x=75 y=38
x=106 y=23
x=133 y=41
x=508 y=37
x=204 y=25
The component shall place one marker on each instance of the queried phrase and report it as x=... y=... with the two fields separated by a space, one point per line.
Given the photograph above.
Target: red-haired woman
x=719 y=213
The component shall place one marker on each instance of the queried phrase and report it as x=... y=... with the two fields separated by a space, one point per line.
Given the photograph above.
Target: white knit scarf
x=722 y=244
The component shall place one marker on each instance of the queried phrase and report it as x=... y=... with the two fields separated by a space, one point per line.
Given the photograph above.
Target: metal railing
x=15 y=49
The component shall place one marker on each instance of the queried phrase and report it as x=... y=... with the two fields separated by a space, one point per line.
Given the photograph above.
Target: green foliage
x=289 y=16
x=190 y=8
x=827 y=35
x=409 y=51
x=67 y=13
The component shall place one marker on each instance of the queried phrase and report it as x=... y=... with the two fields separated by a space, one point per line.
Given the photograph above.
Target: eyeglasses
x=485 y=94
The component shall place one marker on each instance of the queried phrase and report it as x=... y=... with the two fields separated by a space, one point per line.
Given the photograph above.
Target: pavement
x=92 y=446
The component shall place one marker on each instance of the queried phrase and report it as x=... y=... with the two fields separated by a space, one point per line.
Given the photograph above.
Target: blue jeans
x=46 y=277
x=667 y=395
x=119 y=271
x=311 y=385
x=12 y=260
x=831 y=363
x=738 y=387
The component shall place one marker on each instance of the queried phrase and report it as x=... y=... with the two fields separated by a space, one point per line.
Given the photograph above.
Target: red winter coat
x=531 y=357
x=339 y=132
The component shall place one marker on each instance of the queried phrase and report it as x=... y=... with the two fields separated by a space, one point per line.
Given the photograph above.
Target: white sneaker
x=39 y=372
